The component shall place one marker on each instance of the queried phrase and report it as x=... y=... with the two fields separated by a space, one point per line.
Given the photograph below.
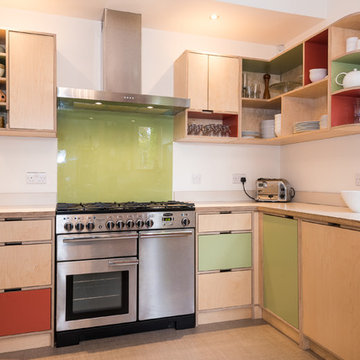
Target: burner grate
x=131 y=206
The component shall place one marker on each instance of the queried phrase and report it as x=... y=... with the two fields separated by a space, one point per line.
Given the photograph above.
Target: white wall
x=216 y=163
x=325 y=166
x=21 y=155
x=79 y=65
x=160 y=49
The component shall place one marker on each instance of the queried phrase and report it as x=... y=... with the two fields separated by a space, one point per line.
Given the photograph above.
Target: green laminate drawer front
x=280 y=267
x=224 y=251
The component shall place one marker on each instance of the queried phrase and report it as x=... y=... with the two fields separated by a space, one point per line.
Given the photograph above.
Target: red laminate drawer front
x=25 y=311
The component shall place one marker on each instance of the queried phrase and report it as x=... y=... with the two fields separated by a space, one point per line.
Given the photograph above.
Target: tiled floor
x=236 y=340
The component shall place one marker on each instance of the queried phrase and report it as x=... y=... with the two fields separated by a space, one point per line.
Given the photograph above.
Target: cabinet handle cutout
x=225 y=270
x=12 y=290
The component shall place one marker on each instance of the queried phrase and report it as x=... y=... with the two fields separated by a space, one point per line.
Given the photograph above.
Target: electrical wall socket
x=357 y=179
x=36 y=178
x=196 y=178
x=236 y=178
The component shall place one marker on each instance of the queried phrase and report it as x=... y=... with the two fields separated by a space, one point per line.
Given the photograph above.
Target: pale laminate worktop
x=323 y=213
x=20 y=211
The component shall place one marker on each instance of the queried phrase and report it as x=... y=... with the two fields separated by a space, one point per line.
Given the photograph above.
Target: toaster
x=274 y=190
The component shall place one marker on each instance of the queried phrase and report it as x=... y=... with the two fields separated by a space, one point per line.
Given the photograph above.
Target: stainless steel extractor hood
x=121 y=74
x=70 y=98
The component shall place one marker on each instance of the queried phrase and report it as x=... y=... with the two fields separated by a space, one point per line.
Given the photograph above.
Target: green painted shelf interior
x=280 y=267
x=337 y=67
x=114 y=156
x=224 y=251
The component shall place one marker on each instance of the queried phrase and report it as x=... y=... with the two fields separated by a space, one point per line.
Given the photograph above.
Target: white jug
x=351 y=79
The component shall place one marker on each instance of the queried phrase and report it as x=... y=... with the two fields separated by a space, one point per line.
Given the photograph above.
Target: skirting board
x=207 y=317
x=281 y=325
x=24 y=342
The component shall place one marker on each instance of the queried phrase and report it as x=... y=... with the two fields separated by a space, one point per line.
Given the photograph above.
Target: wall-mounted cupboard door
x=198 y=81
x=224 y=84
x=280 y=268
x=32 y=85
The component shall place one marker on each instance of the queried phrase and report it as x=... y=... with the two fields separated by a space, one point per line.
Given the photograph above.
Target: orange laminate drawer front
x=25 y=311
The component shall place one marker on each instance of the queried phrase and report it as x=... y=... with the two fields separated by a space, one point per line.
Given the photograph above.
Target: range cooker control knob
x=110 y=225
x=139 y=223
x=68 y=226
x=79 y=226
x=130 y=224
x=90 y=226
x=120 y=224
x=185 y=221
x=149 y=223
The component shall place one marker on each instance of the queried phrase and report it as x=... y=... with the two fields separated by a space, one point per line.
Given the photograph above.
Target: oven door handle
x=123 y=262
x=96 y=238
x=166 y=234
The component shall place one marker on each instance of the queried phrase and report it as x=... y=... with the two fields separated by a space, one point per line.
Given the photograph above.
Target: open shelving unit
x=307 y=102
x=3 y=82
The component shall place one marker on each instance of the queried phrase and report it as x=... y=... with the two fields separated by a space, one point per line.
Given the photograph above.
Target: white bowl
x=2 y=70
x=317 y=74
x=352 y=199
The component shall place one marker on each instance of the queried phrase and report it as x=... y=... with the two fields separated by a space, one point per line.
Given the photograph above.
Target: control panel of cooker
x=83 y=223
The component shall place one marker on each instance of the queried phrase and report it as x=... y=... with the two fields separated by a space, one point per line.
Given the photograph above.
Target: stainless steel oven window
x=99 y=294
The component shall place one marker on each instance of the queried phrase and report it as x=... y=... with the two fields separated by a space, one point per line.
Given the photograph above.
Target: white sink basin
x=352 y=199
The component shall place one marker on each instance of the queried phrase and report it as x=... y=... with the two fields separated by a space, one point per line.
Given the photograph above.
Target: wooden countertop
x=322 y=213
x=27 y=211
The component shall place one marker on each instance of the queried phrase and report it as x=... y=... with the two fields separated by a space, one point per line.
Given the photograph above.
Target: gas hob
x=127 y=216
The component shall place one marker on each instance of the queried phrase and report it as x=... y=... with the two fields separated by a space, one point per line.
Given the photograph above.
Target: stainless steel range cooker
x=123 y=267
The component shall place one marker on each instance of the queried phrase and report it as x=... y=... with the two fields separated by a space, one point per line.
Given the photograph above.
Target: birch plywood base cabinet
x=224 y=263
x=26 y=283
x=31 y=85
x=331 y=288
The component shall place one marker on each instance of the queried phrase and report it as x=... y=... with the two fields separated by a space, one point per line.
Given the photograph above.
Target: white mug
x=351 y=43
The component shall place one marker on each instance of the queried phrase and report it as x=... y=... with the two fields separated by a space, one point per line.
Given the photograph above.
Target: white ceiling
x=236 y=22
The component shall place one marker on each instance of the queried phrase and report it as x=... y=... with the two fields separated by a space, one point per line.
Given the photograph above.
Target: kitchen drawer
x=224 y=222
x=25 y=230
x=221 y=290
x=25 y=265
x=25 y=311
x=224 y=251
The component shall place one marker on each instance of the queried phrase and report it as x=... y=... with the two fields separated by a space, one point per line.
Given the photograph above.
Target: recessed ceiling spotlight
x=98 y=103
x=150 y=107
x=214 y=16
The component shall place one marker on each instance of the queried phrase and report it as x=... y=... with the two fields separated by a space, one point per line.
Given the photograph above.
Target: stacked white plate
x=278 y=124
x=306 y=126
x=268 y=129
x=248 y=134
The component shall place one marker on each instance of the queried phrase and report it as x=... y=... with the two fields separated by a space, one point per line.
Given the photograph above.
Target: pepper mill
x=266 y=91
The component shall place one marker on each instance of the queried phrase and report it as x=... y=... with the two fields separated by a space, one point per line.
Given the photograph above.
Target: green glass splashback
x=113 y=156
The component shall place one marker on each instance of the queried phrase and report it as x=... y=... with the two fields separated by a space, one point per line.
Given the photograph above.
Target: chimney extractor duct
x=121 y=52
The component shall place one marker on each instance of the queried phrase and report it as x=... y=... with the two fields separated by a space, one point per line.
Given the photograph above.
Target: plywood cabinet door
x=224 y=251
x=223 y=84
x=32 y=86
x=25 y=265
x=198 y=81
x=280 y=267
x=331 y=288
x=25 y=311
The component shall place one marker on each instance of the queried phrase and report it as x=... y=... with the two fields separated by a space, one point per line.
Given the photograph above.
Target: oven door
x=96 y=292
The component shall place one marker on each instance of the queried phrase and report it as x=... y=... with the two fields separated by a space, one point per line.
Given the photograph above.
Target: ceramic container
x=352 y=200
x=317 y=74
